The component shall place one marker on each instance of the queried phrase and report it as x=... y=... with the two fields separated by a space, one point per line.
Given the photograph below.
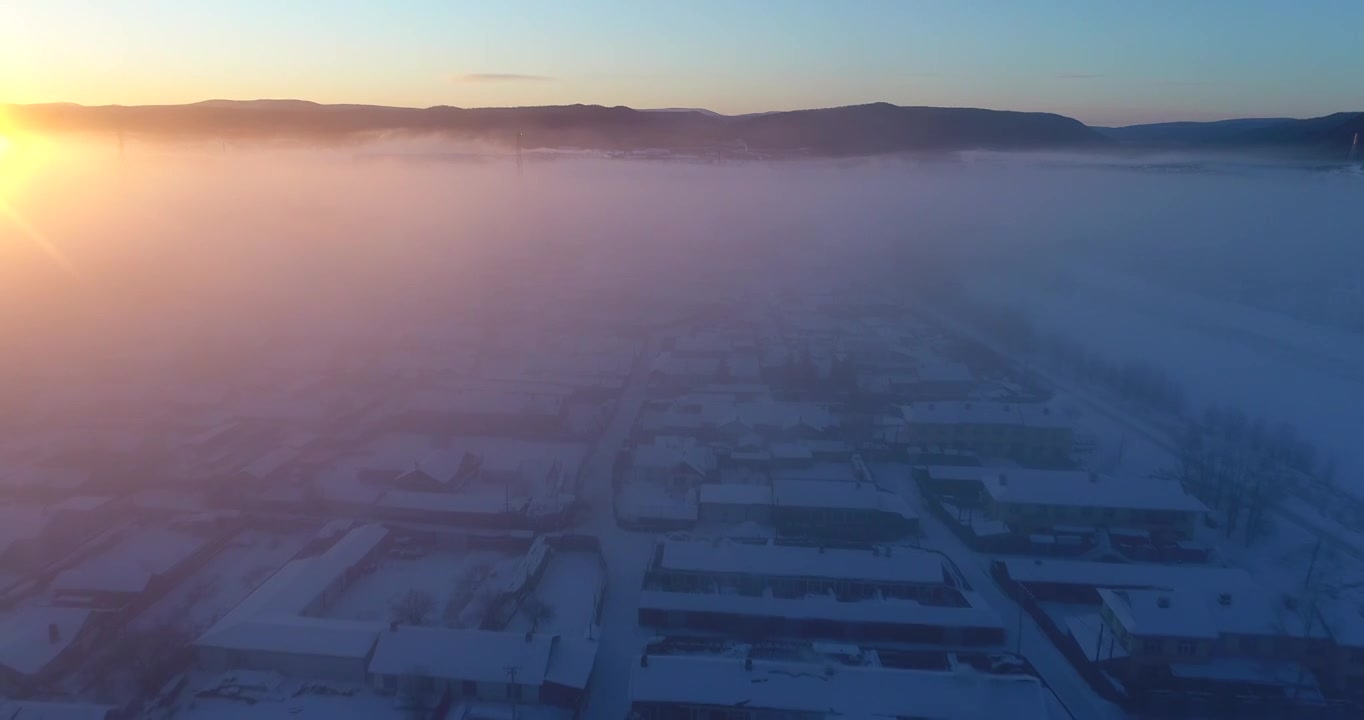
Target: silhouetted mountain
x=1180 y=133
x=1323 y=135
x=856 y=130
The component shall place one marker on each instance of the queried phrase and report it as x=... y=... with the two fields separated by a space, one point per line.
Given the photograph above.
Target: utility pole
x=512 y=690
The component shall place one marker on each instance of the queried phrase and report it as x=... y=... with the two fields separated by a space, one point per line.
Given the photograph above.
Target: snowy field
x=1270 y=366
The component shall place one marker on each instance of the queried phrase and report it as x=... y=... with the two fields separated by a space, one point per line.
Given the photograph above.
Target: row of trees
x=1244 y=467
x=1237 y=464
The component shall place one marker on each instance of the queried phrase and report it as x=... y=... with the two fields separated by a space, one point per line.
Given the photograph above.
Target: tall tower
x=1354 y=148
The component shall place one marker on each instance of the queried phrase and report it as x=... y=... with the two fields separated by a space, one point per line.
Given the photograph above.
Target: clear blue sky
x=1103 y=61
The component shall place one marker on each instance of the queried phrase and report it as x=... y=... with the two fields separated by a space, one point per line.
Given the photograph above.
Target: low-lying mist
x=123 y=267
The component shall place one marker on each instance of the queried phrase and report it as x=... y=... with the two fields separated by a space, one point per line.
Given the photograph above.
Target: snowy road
x=1055 y=669
x=627 y=554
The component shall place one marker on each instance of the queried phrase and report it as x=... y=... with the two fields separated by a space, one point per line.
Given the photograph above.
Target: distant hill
x=1331 y=134
x=856 y=130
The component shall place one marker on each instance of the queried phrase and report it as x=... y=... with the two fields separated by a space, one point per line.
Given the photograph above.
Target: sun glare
x=4 y=144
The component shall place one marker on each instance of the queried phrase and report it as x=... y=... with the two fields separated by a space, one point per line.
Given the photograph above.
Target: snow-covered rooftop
x=834 y=691
x=1073 y=487
x=270 y=618
x=324 y=637
x=1129 y=575
x=131 y=563
x=837 y=495
x=903 y=565
x=670 y=453
x=1197 y=612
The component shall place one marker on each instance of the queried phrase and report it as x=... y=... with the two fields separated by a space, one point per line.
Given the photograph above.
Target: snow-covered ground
x=569 y=588
x=1269 y=365
x=438 y=574
x=1020 y=630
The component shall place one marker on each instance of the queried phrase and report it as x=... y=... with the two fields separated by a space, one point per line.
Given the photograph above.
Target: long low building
x=681 y=686
x=835 y=510
x=484 y=664
x=270 y=630
x=901 y=594
x=1038 y=500
x=1022 y=431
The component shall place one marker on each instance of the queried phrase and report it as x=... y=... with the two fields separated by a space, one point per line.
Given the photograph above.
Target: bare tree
x=412 y=607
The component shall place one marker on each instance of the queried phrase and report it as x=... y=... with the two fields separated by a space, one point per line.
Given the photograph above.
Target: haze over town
x=808 y=408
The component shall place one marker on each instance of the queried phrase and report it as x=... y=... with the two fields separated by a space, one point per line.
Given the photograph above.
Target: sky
x=1102 y=61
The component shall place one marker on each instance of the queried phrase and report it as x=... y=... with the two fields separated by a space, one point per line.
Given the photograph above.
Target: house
x=436 y=471
x=1206 y=639
x=270 y=630
x=39 y=643
x=1027 y=433
x=1203 y=630
x=665 y=687
x=135 y=569
x=735 y=503
x=483 y=665
x=675 y=463
x=761 y=590
x=1031 y=501
x=831 y=510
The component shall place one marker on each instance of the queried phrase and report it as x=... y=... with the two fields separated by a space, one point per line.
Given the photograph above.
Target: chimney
x=748 y=663
x=1224 y=599
x=1163 y=601
x=529 y=636
x=54 y=633
x=644 y=660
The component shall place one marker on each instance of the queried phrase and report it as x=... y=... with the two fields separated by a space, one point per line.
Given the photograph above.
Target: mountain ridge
x=871 y=129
